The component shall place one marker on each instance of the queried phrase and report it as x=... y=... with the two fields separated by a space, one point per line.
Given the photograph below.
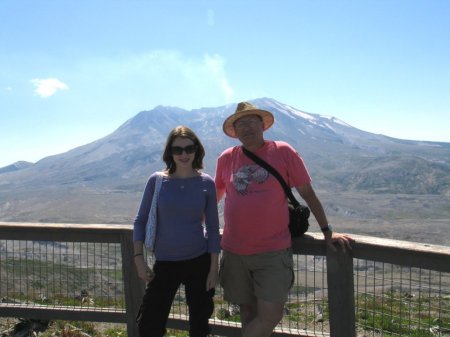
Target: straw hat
x=246 y=109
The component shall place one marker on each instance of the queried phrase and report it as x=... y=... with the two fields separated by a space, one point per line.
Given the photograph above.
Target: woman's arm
x=144 y=271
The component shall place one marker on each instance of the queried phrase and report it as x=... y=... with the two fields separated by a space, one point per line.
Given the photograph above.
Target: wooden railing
x=121 y=234
x=339 y=274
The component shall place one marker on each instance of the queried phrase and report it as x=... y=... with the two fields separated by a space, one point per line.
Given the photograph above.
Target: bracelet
x=327 y=228
x=138 y=254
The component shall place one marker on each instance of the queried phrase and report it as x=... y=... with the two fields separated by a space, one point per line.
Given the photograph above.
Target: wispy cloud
x=165 y=76
x=46 y=87
x=217 y=66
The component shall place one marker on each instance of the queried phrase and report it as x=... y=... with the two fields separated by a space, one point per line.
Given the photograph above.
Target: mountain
x=358 y=175
x=15 y=166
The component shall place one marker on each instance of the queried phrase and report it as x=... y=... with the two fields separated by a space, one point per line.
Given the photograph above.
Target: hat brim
x=228 y=125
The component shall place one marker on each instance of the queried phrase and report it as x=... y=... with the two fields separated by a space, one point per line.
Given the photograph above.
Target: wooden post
x=134 y=287
x=341 y=293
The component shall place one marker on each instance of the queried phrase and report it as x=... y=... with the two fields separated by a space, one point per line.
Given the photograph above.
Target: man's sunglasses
x=178 y=150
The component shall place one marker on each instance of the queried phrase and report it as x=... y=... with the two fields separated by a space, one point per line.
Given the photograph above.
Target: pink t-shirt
x=256 y=213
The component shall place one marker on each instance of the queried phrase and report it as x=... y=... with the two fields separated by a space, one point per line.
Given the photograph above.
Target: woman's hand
x=145 y=273
x=211 y=281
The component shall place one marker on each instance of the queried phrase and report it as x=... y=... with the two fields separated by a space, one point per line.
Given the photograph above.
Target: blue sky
x=73 y=71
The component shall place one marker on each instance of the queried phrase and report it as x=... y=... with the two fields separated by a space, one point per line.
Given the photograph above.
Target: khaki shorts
x=265 y=276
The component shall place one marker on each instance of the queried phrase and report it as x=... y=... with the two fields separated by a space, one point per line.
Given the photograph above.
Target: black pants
x=160 y=292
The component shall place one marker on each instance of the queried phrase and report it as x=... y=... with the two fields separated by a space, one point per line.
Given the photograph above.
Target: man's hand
x=213 y=274
x=343 y=240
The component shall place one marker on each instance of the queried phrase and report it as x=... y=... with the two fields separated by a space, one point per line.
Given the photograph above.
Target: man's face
x=249 y=129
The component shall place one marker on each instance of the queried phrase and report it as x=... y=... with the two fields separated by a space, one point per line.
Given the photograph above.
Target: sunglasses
x=178 y=150
x=240 y=124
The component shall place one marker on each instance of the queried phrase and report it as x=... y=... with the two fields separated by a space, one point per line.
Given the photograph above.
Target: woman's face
x=183 y=152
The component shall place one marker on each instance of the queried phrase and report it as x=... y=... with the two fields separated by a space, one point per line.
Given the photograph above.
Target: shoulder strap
x=274 y=172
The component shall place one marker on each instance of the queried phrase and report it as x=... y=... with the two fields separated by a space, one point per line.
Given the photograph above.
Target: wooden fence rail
x=340 y=273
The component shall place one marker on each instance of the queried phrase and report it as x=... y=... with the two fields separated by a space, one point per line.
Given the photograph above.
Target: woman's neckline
x=176 y=177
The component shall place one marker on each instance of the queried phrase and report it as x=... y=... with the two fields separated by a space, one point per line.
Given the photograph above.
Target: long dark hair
x=185 y=132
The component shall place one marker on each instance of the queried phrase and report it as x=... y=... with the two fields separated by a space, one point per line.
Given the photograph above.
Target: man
x=257 y=264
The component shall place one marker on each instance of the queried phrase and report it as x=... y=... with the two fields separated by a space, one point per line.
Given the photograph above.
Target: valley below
x=417 y=218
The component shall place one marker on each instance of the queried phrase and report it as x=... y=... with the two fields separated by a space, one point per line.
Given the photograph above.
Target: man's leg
x=260 y=283
x=260 y=318
x=272 y=276
x=248 y=313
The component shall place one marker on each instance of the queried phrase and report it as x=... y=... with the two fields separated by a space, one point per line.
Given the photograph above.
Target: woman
x=184 y=251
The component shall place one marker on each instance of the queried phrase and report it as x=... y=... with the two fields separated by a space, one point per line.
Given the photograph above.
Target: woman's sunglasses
x=178 y=150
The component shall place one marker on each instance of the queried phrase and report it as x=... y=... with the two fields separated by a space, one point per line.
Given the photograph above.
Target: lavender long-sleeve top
x=188 y=221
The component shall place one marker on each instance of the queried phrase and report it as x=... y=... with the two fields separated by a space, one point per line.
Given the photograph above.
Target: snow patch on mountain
x=335 y=120
x=301 y=114
x=289 y=111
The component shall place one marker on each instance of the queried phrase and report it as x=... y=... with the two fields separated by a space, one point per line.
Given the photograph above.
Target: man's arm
x=220 y=193
x=219 y=183
x=307 y=192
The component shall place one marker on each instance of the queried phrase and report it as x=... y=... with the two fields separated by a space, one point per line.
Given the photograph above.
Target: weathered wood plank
x=341 y=299
x=63 y=313
x=133 y=286
x=62 y=232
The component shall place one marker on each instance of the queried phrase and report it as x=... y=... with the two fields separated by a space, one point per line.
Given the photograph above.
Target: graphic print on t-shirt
x=246 y=174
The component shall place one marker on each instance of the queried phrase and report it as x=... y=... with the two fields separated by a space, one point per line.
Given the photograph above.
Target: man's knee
x=270 y=313
x=248 y=311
